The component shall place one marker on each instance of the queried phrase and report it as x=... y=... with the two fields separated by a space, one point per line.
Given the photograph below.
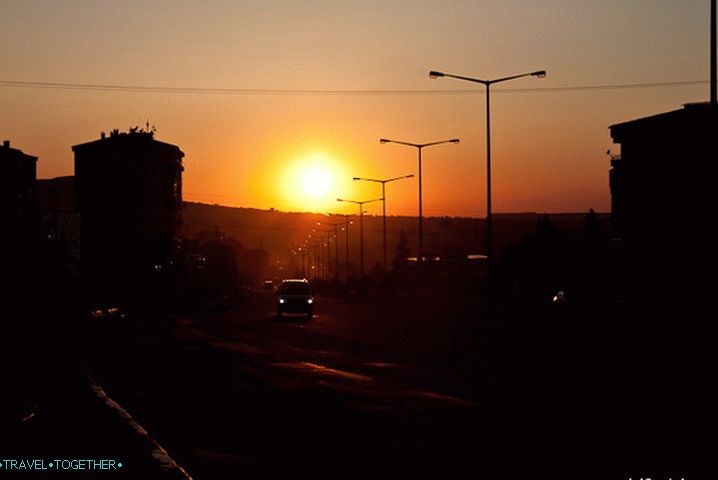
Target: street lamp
x=383 y=202
x=336 y=246
x=303 y=254
x=419 y=147
x=488 y=83
x=346 y=238
x=323 y=260
x=361 y=228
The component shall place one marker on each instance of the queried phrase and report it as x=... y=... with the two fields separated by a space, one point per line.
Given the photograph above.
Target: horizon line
x=275 y=210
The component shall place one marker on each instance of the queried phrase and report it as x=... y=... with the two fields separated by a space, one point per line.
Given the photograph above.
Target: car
x=295 y=296
x=560 y=298
x=268 y=284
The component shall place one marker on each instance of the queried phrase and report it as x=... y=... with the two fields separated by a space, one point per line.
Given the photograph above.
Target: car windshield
x=295 y=289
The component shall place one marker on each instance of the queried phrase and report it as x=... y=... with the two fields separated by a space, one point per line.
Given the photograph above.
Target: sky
x=342 y=75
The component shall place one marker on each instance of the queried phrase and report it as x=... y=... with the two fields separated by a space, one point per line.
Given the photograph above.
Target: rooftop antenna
x=714 y=97
x=151 y=129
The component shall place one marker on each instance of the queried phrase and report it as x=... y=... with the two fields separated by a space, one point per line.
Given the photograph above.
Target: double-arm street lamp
x=325 y=261
x=487 y=84
x=336 y=246
x=383 y=203
x=420 y=147
x=346 y=239
x=361 y=228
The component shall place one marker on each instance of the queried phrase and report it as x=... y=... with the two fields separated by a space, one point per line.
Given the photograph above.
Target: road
x=359 y=387
x=405 y=385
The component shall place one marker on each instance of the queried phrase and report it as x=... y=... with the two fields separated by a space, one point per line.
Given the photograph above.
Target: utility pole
x=714 y=96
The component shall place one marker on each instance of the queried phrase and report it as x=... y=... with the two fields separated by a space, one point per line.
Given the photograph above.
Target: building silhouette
x=129 y=195
x=18 y=177
x=661 y=184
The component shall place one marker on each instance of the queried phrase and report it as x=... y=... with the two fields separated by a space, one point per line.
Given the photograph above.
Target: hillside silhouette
x=277 y=232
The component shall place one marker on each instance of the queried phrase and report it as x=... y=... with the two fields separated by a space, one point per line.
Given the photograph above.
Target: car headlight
x=310 y=301
x=281 y=300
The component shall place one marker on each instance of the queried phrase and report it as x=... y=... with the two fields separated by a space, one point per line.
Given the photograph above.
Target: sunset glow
x=326 y=86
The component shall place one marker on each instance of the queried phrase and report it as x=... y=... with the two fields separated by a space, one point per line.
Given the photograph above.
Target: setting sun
x=310 y=180
x=316 y=181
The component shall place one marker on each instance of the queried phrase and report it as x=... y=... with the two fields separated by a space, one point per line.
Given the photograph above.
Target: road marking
x=159 y=453
x=426 y=394
x=321 y=369
x=316 y=368
x=381 y=364
x=443 y=398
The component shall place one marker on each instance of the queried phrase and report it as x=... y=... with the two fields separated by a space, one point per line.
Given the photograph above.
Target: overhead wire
x=339 y=92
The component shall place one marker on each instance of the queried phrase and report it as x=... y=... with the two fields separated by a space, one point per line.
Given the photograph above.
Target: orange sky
x=249 y=150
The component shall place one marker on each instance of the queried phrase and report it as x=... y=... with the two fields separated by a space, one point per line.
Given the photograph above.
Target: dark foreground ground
x=408 y=385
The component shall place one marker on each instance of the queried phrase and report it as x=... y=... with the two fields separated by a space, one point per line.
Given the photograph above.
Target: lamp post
x=420 y=147
x=328 y=258
x=361 y=228
x=325 y=260
x=336 y=249
x=487 y=84
x=346 y=238
x=315 y=260
x=303 y=252
x=310 y=254
x=383 y=203
x=336 y=245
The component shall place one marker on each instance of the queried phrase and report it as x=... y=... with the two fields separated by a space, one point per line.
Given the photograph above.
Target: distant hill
x=278 y=232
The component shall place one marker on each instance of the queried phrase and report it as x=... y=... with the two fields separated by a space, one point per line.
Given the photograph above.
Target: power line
x=285 y=92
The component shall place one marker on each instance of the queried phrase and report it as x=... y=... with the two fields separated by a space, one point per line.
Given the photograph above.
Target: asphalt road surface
x=410 y=385
x=360 y=387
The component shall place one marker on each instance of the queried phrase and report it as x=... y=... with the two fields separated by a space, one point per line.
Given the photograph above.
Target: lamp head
x=356 y=178
x=434 y=74
x=539 y=74
x=455 y=140
x=383 y=140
